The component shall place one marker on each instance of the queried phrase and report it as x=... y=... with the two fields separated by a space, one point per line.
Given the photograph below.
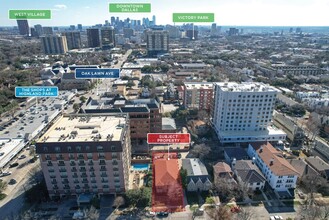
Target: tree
x=91 y=214
x=83 y=99
x=219 y=213
x=244 y=214
x=118 y=201
x=183 y=175
x=313 y=184
x=227 y=190
x=200 y=151
x=76 y=107
x=3 y=186
x=139 y=197
x=130 y=83
x=313 y=212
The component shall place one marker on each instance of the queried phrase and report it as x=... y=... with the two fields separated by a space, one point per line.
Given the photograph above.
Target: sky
x=227 y=12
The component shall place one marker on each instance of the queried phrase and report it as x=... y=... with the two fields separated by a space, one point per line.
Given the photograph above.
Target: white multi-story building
x=243 y=112
x=279 y=173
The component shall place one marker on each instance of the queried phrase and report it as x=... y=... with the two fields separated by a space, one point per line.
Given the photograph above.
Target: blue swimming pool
x=141 y=166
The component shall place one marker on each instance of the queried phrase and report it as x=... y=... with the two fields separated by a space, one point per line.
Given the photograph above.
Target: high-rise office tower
x=93 y=37
x=108 y=37
x=112 y=20
x=38 y=29
x=72 y=27
x=243 y=112
x=157 y=42
x=192 y=34
x=23 y=27
x=73 y=39
x=154 y=20
x=213 y=31
x=173 y=31
x=86 y=153
x=54 y=44
x=33 y=32
x=80 y=27
x=47 y=30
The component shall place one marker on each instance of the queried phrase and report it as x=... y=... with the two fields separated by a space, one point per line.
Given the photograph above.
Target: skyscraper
x=23 y=27
x=243 y=112
x=108 y=37
x=38 y=29
x=191 y=35
x=157 y=42
x=54 y=44
x=213 y=31
x=93 y=37
x=80 y=27
x=73 y=39
x=154 y=20
x=128 y=32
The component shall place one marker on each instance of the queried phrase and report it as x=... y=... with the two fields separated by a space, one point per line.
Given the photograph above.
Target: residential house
x=319 y=165
x=223 y=170
x=197 y=175
x=279 y=173
x=247 y=172
x=231 y=153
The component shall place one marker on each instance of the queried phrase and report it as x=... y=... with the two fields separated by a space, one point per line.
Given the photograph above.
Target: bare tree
x=311 y=184
x=200 y=151
x=92 y=213
x=118 y=201
x=313 y=212
x=220 y=213
x=244 y=214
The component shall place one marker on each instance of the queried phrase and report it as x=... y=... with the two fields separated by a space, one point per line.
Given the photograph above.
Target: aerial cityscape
x=164 y=110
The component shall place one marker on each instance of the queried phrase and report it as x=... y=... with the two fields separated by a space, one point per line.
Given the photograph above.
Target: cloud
x=61 y=7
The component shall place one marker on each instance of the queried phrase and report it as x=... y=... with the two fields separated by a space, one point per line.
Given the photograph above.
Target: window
x=100 y=148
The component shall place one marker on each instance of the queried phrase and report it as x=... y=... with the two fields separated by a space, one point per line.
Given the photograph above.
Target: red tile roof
x=222 y=167
x=166 y=172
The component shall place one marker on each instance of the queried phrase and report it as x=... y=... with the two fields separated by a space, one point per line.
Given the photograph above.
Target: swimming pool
x=141 y=166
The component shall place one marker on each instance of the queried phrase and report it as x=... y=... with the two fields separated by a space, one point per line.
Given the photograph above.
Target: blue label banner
x=94 y=73
x=36 y=91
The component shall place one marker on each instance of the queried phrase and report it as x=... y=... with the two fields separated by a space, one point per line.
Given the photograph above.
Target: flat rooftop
x=246 y=87
x=89 y=127
x=199 y=85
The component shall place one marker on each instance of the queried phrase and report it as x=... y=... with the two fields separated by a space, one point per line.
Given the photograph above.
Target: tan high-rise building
x=86 y=153
x=198 y=95
x=54 y=44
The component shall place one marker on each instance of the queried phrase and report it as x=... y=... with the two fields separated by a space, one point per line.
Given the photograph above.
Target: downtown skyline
x=233 y=12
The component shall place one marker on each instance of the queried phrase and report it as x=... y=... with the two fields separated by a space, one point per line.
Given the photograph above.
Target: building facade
x=278 y=172
x=93 y=37
x=199 y=95
x=54 y=44
x=243 y=112
x=23 y=27
x=157 y=42
x=108 y=37
x=73 y=39
x=86 y=153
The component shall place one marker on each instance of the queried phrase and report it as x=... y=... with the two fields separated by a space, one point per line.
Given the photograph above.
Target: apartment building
x=199 y=95
x=86 y=153
x=278 y=172
x=243 y=112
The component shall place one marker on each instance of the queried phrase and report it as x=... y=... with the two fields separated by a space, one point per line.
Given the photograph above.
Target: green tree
x=130 y=83
x=76 y=107
x=83 y=99
x=183 y=176
x=139 y=197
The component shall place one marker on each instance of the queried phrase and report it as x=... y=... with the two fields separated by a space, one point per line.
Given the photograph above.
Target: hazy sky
x=227 y=12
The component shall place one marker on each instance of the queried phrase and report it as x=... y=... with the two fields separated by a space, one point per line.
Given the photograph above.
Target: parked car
x=22 y=156
x=5 y=174
x=162 y=214
x=12 y=181
x=2 y=153
x=13 y=165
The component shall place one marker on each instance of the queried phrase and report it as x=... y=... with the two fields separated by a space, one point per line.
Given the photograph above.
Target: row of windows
x=78 y=148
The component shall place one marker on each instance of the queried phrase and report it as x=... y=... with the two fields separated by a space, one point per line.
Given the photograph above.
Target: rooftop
x=236 y=152
x=198 y=85
x=274 y=159
x=248 y=171
x=80 y=127
x=194 y=167
x=222 y=167
x=166 y=172
x=246 y=87
x=317 y=163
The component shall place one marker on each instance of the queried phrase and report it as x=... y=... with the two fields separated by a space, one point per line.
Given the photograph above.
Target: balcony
x=102 y=162
x=76 y=181
x=74 y=169
x=59 y=158
x=72 y=163
x=91 y=169
x=90 y=163
x=75 y=175
x=81 y=157
x=103 y=175
x=84 y=181
x=65 y=182
x=93 y=181
x=55 y=187
x=84 y=175
x=53 y=181
x=61 y=164
x=66 y=187
x=62 y=170
x=103 y=169
x=92 y=175
x=81 y=163
x=49 y=164
x=105 y=181
x=64 y=176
